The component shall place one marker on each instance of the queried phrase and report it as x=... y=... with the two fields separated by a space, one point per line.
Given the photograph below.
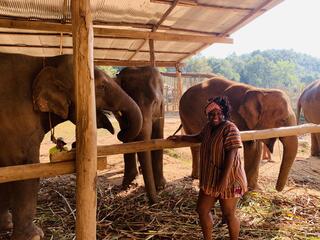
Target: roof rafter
x=132 y=34
x=96 y=48
x=156 y=26
x=111 y=62
x=193 y=3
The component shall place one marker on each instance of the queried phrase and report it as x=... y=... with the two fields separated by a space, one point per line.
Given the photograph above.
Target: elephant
x=252 y=109
x=145 y=86
x=33 y=92
x=309 y=102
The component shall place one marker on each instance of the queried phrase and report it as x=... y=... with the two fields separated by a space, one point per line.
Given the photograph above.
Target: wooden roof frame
x=147 y=32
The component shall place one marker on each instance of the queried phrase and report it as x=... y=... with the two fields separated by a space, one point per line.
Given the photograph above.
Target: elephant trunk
x=290 y=147
x=130 y=119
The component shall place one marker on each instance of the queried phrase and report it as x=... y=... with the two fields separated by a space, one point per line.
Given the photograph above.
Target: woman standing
x=222 y=176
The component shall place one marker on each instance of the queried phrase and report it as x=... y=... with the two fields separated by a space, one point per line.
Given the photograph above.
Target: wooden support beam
x=95 y=48
x=111 y=62
x=109 y=32
x=152 y=56
x=29 y=171
x=45 y=170
x=189 y=74
x=179 y=84
x=193 y=3
x=86 y=129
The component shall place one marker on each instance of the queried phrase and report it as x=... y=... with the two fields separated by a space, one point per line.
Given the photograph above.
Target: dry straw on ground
x=127 y=215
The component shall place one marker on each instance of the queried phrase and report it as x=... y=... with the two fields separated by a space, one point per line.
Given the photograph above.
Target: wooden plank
x=29 y=171
x=111 y=62
x=132 y=34
x=86 y=129
x=193 y=3
x=44 y=170
x=190 y=74
x=152 y=56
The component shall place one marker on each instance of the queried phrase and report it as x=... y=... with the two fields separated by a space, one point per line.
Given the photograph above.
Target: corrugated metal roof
x=212 y=18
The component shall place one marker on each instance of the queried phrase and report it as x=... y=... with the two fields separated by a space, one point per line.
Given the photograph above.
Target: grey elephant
x=252 y=108
x=30 y=88
x=145 y=86
x=309 y=102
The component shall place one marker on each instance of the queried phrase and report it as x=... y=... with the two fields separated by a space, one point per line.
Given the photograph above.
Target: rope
x=52 y=137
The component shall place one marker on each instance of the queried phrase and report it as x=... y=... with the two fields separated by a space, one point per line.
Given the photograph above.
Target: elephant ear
x=251 y=108
x=50 y=94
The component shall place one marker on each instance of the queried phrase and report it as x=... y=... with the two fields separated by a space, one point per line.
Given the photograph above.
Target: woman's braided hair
x=224 y=103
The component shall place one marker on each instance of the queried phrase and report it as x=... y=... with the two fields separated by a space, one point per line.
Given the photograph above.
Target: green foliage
x=281 y=69
x=111 y=71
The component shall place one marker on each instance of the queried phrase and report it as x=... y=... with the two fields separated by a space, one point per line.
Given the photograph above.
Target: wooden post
x=86 y=132
x=151 y=49
x=179 y=84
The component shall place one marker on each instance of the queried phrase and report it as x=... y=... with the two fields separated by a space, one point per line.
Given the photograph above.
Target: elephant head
x=262 y=109
x=53 y=91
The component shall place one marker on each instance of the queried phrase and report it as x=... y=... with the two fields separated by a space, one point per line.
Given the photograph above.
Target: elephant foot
x=6 y=221
x=127 y=181
x=153 y=199
x=161 y=184
x=31 y=233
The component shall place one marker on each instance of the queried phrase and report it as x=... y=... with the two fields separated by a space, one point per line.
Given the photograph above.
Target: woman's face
x=215 y=117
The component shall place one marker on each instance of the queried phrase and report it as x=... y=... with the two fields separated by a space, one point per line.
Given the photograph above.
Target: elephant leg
x=195 y=151
x=314 y=144
x=252 y=156
x=130 y=169
x=24 y=209
x=157 y=155
x=147 y=172
x=146 y=161
x=5 y=215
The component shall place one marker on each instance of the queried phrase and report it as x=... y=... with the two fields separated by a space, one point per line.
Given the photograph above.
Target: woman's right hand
x=175 y=138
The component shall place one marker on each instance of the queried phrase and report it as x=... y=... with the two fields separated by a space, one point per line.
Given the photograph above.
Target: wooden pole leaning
x=86 y=133
x=179 y=84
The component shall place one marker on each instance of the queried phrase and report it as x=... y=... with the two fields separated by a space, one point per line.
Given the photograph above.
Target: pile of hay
x=127 y=215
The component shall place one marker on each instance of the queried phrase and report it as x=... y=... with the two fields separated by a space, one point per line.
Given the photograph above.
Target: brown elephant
x=145 y=86
x=309 y=102
x=31 y=87
x=252 y=108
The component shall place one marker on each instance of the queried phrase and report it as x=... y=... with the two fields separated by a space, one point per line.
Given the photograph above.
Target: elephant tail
x=179 y=128
x=298 y=110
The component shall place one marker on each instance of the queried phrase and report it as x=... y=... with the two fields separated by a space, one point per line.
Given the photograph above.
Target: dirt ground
x=304 y=183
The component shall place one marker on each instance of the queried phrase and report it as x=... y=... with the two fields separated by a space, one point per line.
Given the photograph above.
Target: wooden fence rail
x=65 y=164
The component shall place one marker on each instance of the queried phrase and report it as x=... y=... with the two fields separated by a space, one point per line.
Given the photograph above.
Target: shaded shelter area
x=122 y=29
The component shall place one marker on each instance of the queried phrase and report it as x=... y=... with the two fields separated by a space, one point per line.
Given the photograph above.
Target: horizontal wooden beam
x=96 y=48
x=109 y=32
x=44 y=170
x=66 y=166
x=193 y=3
x=189 y=74
x=128 y=63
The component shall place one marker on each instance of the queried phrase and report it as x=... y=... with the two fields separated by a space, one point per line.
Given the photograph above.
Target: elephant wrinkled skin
x=145 y=86
x=252 y=108
x=309 y=102
x=31 y=87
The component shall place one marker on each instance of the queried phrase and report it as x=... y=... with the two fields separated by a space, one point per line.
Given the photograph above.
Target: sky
x=293 y=24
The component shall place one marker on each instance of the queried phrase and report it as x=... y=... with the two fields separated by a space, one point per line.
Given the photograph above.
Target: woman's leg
x=228 y=208
x=204 y=206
